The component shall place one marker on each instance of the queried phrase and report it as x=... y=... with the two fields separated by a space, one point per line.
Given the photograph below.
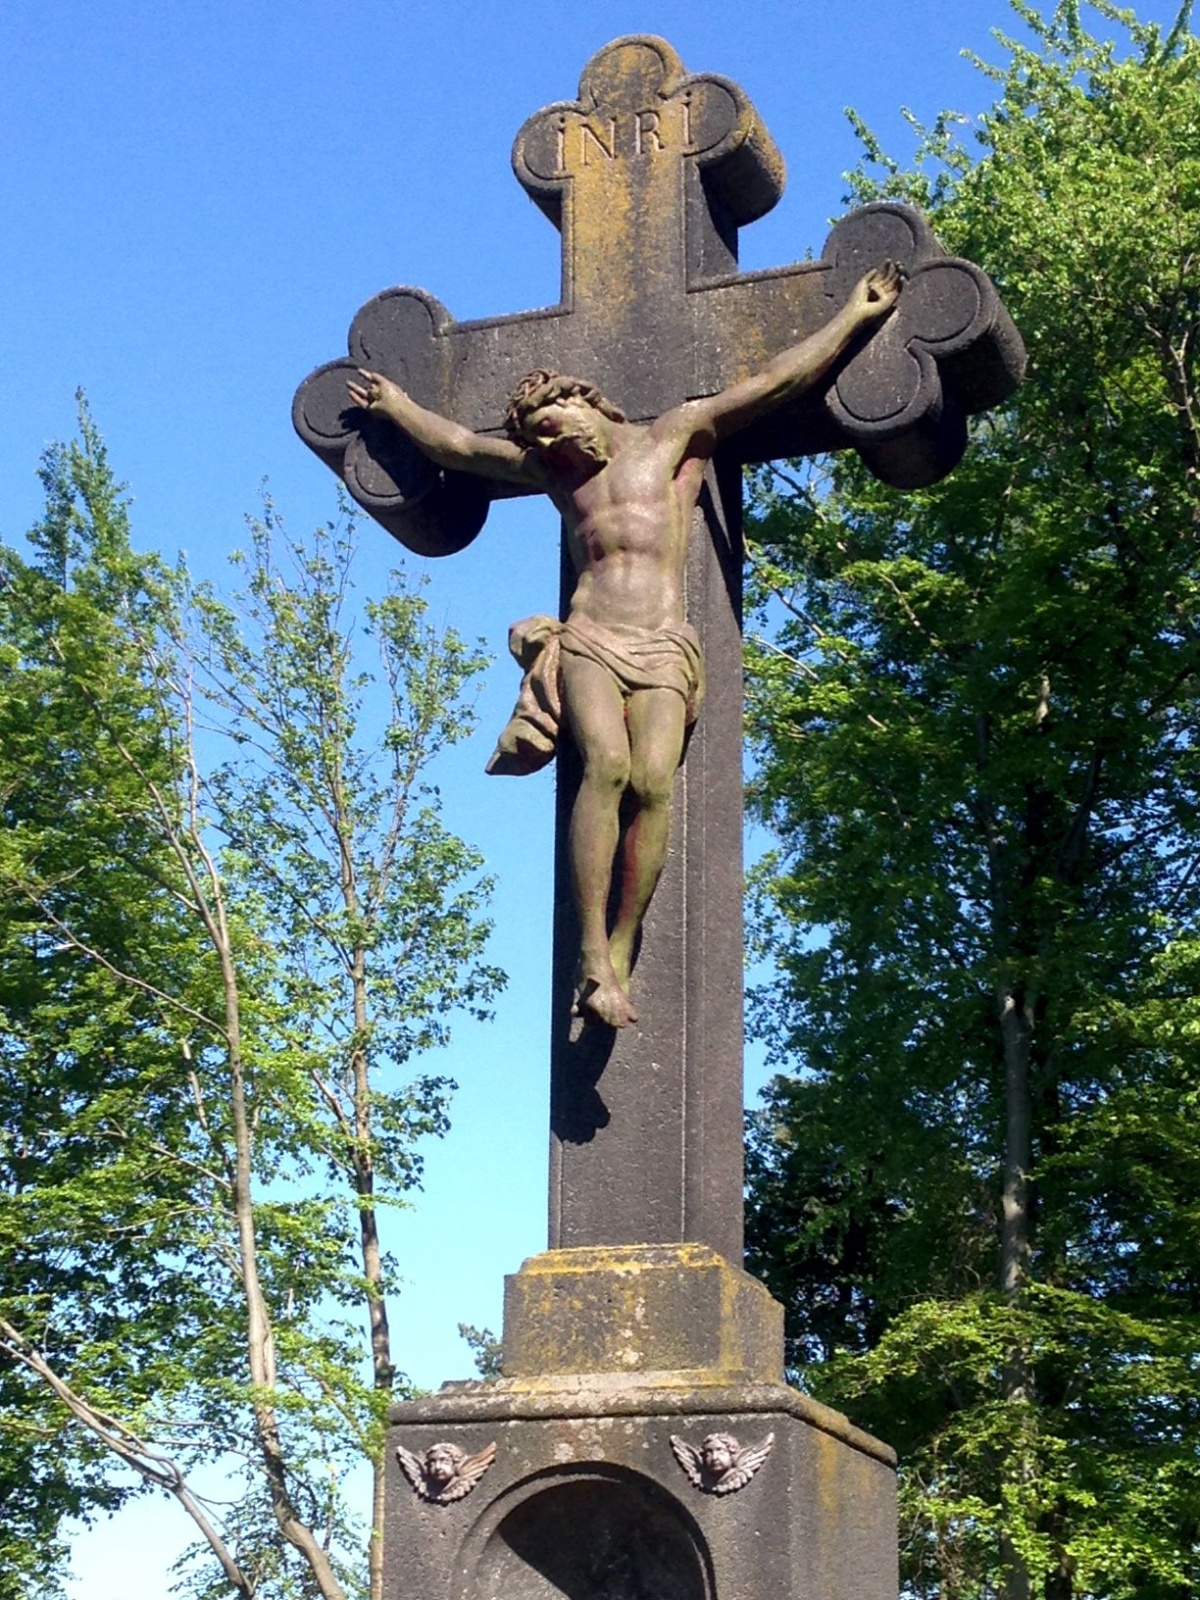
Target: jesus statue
x=623 y=672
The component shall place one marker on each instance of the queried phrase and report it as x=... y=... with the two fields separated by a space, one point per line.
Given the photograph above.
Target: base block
x=586 y=1497
x=593 y=1483
x=677 y=1308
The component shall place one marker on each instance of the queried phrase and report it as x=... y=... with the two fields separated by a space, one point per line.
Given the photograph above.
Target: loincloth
x=635 y=658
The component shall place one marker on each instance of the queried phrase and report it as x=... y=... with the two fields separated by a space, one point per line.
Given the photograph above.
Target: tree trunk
x=1016 y=1240
x=260 y=1334
x=372 y=1256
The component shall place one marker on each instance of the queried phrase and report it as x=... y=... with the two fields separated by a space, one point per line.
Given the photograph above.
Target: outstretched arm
x=795 y=370
x=448 y=443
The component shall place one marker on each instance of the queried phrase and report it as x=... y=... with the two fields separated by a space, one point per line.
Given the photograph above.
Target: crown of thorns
x=539 y=387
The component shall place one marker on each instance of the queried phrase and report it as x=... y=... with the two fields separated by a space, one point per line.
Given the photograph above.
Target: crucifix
x=685 y=370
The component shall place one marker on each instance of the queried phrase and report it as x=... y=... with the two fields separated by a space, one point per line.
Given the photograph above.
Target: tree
x=976 y=717
x=87 y=1069
x=335 y=832
x=275 y=937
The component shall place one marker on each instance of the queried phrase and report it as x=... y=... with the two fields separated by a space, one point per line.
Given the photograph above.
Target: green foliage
x=486 y=1349
x=89 y=1086
x=976 y=715
x=230 y=921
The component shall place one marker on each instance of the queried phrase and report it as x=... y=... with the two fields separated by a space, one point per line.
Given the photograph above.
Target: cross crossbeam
x=648 y=175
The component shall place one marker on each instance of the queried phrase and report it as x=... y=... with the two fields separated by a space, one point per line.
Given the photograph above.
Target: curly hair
x=540 y=387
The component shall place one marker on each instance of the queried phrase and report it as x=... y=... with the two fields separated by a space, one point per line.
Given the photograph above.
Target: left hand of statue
x=877 y=291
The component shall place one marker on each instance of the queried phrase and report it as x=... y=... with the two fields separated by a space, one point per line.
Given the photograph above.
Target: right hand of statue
x=373 y=391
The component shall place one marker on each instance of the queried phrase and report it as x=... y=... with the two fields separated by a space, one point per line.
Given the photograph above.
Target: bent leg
x=657 y=722
x=595 y=710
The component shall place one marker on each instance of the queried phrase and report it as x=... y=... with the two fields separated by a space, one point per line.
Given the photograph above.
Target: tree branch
x=151 y=1464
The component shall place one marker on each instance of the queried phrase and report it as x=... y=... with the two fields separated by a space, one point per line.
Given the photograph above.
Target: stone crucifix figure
x=647 y=176
x=624 y=669
x=636 y=1346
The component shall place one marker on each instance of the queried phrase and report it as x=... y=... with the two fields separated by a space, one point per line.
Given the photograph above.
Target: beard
x=587 y=445
x=589 y=442
x=592 y=447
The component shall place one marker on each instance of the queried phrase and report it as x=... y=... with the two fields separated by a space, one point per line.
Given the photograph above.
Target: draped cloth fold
x=635 y=658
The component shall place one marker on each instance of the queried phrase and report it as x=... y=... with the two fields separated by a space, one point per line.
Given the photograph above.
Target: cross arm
x=458 y=369
x=899 y=398
x=799 y=367
x=648 y=175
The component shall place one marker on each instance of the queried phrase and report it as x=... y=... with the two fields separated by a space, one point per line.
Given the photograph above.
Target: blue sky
x=199 y=195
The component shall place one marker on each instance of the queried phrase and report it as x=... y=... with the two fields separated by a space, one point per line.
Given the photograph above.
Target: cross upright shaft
x=646 y=1124
x=648 y=175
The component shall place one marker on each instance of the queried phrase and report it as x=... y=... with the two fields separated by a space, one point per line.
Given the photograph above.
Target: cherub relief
x=444 y=1473
x=721 y=1465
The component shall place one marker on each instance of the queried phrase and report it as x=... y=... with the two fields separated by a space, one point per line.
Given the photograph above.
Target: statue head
x=718 y=1453
x=442 y=1463
x=544 y=392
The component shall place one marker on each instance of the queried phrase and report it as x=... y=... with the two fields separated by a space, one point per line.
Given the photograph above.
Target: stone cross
x=648 y=175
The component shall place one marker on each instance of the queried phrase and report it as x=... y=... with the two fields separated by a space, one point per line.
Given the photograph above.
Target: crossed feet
x=602 y=992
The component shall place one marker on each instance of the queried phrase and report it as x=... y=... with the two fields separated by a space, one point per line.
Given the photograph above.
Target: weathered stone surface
x=586 y=1497
x=587 y=1500
x=648 y=175
x=644 y=1308
x=611 y=1353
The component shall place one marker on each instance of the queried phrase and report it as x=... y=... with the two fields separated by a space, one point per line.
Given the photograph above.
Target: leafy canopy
x=975 y=714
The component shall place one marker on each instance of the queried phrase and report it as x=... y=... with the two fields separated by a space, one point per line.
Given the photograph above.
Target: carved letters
x=646 y=127
x=604 y=141
x=595 y=140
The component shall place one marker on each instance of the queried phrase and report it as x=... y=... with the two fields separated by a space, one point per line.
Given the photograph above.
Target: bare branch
x=151 y=1464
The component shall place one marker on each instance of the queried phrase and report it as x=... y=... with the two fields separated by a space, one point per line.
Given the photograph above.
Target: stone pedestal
x=587 y=1496
x=636 y=1309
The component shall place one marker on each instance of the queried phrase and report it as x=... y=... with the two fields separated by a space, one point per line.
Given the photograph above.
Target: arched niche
x=593 y=1536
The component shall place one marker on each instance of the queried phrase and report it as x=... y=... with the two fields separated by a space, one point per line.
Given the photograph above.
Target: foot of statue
x=601 y=998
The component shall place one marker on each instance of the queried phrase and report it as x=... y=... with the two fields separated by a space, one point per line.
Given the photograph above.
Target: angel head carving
x=720 y=1465
x=444 y=1473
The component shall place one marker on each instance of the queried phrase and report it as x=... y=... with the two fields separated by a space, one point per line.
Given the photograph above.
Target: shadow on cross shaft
x=577 y=1110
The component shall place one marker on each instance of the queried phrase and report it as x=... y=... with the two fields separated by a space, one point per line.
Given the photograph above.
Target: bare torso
x=627 y=520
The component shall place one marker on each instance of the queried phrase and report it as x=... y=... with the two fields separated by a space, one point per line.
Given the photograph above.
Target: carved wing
x=688 y=1458
x=413 y=1469
x=746 y=1464
x=470 y=1470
